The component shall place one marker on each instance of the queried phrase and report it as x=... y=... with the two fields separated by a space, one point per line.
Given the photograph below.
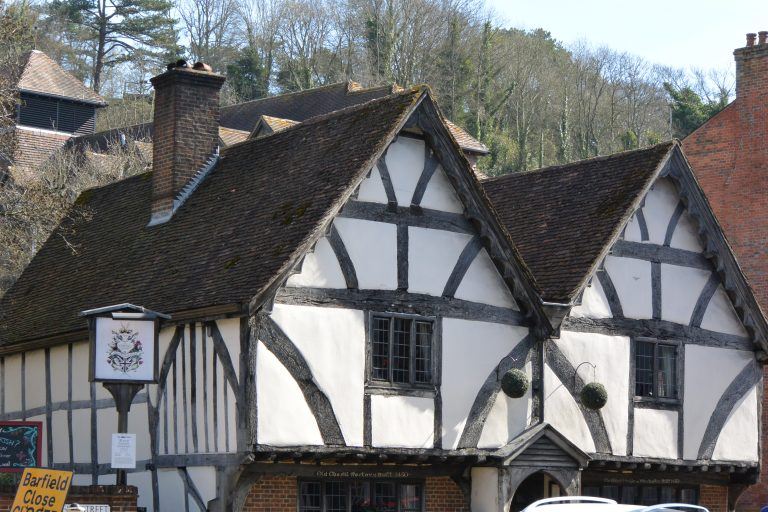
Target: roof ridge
x=291 y=94
x=612 y=156
x=324 y=117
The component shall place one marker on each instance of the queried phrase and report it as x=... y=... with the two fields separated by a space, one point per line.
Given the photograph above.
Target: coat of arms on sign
x=125 y=351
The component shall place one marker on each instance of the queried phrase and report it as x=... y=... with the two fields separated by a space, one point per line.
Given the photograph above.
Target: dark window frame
x=371 y=486
x=676 y=377
x=623 y=490
x=412 y=384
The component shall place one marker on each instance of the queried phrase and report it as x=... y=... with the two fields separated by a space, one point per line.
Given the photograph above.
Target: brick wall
x=119 y=498
x=33 y=147
x=279 y=494
x=714 y=497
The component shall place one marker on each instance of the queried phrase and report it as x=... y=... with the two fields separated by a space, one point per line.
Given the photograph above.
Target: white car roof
x=592 y=504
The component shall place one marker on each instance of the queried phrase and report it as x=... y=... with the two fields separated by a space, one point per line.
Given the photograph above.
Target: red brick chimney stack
x=751 y=39
x=762 y=36
x=186 y=130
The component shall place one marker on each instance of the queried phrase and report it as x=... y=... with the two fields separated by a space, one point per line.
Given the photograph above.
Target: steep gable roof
x=42 y=75
x=565 y=219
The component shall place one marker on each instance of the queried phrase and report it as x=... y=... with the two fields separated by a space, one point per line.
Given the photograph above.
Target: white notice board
x=123 y=451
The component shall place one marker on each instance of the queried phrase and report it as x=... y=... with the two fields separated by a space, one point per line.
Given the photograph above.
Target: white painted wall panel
x=59 y=371
x=632 y=280
x=720 y=315
x=171 y=489
x=471 y=350
x=562 y=412
x=440 y=194
x=138 y=423
x=593 y=302
x=372 y=189
x=610 y=355
x=142 y=480
x=507 y=418
x=106 y=425
x=686 y=235
x=81 y=425
x=204 y=479
x=485 y=490
x=700 y=375
x=402 y=421
x=35 y=378
x=739 y=438
x=13 y=383
x=60 y=432
x=660 y=204
x=284 y=418
x=405 y=161
x=320 y=269
x=372 y=247
x=80 y=386
x=483 y=283
x=655 y=433
x=80 y=479
x=230 y=331
x=680 y=289
x=333 y=343
x=632 y=230
x=108 y=479
x=432 y=255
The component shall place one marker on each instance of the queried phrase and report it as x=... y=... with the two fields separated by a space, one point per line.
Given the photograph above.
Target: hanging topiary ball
x=514 y=383
x=594 y=396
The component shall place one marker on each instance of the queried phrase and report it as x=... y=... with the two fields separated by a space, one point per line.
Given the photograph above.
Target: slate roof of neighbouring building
x=42 y=75
x=230 y=240
x=293 y=107
x=561 y=218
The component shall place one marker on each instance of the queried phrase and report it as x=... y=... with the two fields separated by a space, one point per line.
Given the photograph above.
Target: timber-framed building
x=346 y=298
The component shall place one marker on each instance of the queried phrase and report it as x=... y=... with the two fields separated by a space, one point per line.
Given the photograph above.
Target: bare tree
x=211 y=28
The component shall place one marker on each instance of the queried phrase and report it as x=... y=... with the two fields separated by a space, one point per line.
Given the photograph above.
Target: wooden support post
x=123 y=393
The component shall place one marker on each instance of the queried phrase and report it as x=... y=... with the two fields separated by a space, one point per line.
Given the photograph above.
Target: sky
x=680 y=33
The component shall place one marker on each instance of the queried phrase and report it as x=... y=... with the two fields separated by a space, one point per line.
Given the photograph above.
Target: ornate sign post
x=124 y=353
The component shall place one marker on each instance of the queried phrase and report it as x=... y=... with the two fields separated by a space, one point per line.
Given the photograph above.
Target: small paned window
x=655 y=370
x=401 y=350
x=644 y=494
x=360 y=496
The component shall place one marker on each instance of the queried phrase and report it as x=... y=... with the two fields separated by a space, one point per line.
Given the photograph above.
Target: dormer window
x=401 y=350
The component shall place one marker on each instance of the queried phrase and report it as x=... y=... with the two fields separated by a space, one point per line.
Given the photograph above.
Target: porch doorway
x=535 y=487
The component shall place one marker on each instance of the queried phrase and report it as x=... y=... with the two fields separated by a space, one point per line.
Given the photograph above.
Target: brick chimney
x=185 y=133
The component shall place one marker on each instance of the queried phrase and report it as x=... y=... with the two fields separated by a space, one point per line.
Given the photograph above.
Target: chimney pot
x=762 y=37
x=202 y=66
x=751 y=39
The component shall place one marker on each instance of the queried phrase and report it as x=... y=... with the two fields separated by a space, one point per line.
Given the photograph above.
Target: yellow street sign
x=42 y=490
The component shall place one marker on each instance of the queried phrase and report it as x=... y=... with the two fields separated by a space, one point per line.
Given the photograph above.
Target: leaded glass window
x=655 y=370
x=360 y=496
x=401 y=350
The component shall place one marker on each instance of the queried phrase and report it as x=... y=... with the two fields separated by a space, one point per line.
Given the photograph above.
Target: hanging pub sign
x=20 y=445
x=124 y=346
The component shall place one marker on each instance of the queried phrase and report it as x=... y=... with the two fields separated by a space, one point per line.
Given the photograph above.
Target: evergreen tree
x=121 y=30
x=689 y=110
x=246 y=75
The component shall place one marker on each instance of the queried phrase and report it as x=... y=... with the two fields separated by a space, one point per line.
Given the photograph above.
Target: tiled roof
x=465 y=140
x=561 y=218
x=229 y=136
x=42 y=75
x=241 y=228
x=268 y=125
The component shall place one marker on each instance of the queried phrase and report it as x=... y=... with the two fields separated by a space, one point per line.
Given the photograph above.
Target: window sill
x=646 y=402
x=400 y=390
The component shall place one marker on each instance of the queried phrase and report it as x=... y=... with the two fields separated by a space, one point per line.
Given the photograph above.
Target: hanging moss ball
x=594 y=396
x=514 y=383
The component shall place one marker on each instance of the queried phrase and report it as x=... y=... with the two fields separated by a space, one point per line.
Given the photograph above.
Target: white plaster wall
x=372 y=188
x=81 y=389
x=204 y=479
x=60 y=432
x=171 y=489
x=686 y=235
x=59 y=372
x=284 y=418
x=483 y=283
x=680 y=290
x=593 y=302
x=610 y=355
x=106 y=425
x=632 y=230
x=230 y=331
x=35 y=379
x=708 y=372
x=81 y=424
x=372 y=247
x=471 y=350
x=507 y=417
x=562 y=412
x=402 y=421
x=485 y=489
x=405 y=161
x=660 y=204
x=138 y=423
x=655 y=433
x=333 y=343
x=440 y=194
x=632 y=280
x=432 y=255
x=320 y=269
x=739 y=438
x=142 y=480
x=720 y=315
x=13 y=383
